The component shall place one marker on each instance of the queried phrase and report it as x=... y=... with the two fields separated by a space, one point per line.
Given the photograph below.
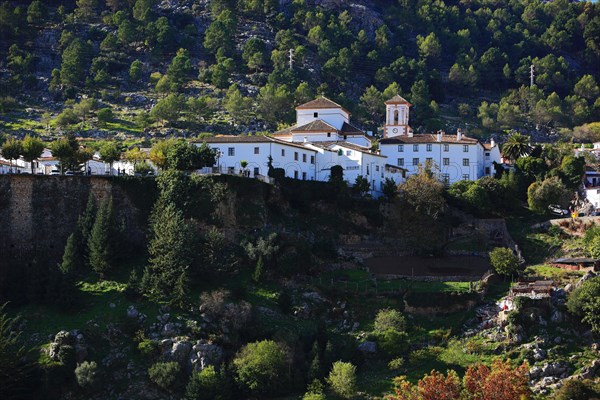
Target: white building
x=321 y=138
x=454 y=157
x=592 y=186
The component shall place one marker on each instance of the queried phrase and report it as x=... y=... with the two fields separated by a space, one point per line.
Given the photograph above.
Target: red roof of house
x=321 y=102
x=397 y=99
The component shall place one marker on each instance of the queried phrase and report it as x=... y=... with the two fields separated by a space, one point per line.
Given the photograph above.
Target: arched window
x=395 y=117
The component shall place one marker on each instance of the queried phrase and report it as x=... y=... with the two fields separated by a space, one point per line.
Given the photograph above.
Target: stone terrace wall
x=38 y=213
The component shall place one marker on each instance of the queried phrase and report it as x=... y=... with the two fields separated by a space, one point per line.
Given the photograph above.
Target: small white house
x=592 y=186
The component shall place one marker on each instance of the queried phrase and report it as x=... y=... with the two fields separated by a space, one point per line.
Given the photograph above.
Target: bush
x=261 y=367
x=572 y=390
x=342 y=379
x=504 y=261
x=86 y=374
x=164 y=374
x=392 y=342
x=148 y=348
x=207 y=384
x=396 y=364
x=389 y=319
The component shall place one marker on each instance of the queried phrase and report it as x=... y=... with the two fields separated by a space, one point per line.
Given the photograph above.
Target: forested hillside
x=133 y=66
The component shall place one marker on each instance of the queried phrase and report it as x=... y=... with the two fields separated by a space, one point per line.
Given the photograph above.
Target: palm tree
x=516 y=146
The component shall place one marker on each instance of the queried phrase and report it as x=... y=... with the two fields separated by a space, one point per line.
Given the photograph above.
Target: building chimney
x=305 y=139
x=492 y=142
x=439 y=136
x=458 y=134
x=410 y=133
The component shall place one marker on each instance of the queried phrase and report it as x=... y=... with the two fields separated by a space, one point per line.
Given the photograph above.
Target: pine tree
x=100 y=242
x=85 y=223
x=71 y=257
x=170 y=253
x=259 y=270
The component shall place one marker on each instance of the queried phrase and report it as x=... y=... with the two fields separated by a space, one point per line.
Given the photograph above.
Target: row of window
x=445 y=161
x=446 y=178
x=429 y=147
x=231 y=153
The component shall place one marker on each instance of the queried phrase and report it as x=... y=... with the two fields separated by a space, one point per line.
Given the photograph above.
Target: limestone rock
x=368 y=347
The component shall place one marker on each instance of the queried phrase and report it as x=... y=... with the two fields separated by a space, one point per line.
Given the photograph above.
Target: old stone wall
x=38 y=213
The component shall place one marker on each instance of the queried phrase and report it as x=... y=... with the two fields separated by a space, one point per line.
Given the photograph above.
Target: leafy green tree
x=424 y=193
x=389 y=189
x=105 y=115
x=261 y=367
x=429 y=47
x=274 y=103
x=87 y=375
x=185 y=156
x=135 y=71
x=100 y=243
x=371 y=101
x=220 y=33
x=36 y=13
x=14 y=369
x=201 y=108
x=126 y=32
x=389 y=319
x=142 y=10
x=12 y=149
x=254 y=53
x=164 y=374
x=180 y=67
x=75 y=59
x=571 y=171
x=516 y=146
x=109 y=152
x=504 y=261
x=361 y=186
x=342 y=379
x=170 y=252
x=64 y=150
x=86 y=9
x=208 y=384
x=549 y=191
x=237 y=105
x=584 y=303
x=169 y=108
x=587 y=87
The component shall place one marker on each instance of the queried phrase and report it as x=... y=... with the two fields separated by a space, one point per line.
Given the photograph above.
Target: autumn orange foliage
x=500 y=382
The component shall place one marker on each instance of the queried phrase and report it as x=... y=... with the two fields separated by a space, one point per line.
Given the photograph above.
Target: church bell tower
x=396 y=117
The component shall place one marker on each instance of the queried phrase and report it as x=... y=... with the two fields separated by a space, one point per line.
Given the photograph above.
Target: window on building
x=230 y=170
x=377 y=168
x=256 y=150
x=256 y=171
x=446 y=161
x=487 y=155
x=316 y=115
x=348 y=152
x=282 y=152
x=328 y=134
x=296 y=156
x=487 y=170
x=400 y=148
x=304 y=176
x=345 y=137
x=446 y=178
x=446 y=147
x=465 y=162
x=429 y=147
x=415 y=161
x=429 y=160
x=303 y=157
x=415 y=147
x=295 y=174
x=312 y=159
x=401 y=162
x=231 y=151
x=367 y=170
x=465 y=177
x=466 y=148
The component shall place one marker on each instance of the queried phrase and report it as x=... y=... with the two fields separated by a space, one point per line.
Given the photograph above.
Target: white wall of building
x=333 y=116
x=450 y=159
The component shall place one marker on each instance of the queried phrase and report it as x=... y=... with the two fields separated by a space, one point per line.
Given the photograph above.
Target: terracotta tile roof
x=317 y=125
x=397 y=99
x=349 y=129
x=321 y=102
x=428 y=138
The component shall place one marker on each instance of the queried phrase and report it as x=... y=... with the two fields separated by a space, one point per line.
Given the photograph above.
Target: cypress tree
x=100 y=244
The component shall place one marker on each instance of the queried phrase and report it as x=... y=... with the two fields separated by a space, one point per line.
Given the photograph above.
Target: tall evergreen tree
x=100 y=244
x=170 y=254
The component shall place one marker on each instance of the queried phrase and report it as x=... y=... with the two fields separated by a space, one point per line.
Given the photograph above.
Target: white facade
x=592 y=186
x=453 y=157
x=333 y=116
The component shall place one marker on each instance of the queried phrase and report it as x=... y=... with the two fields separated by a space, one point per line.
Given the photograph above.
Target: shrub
x=572 y=390
x=392 y=342
x=164 y=374
x=261 y=367
x=342 y=379
x=148 y=348
x=207 y=384
x=86 y=374
x=389 y=319
x=396 y=364
x=504 y=261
